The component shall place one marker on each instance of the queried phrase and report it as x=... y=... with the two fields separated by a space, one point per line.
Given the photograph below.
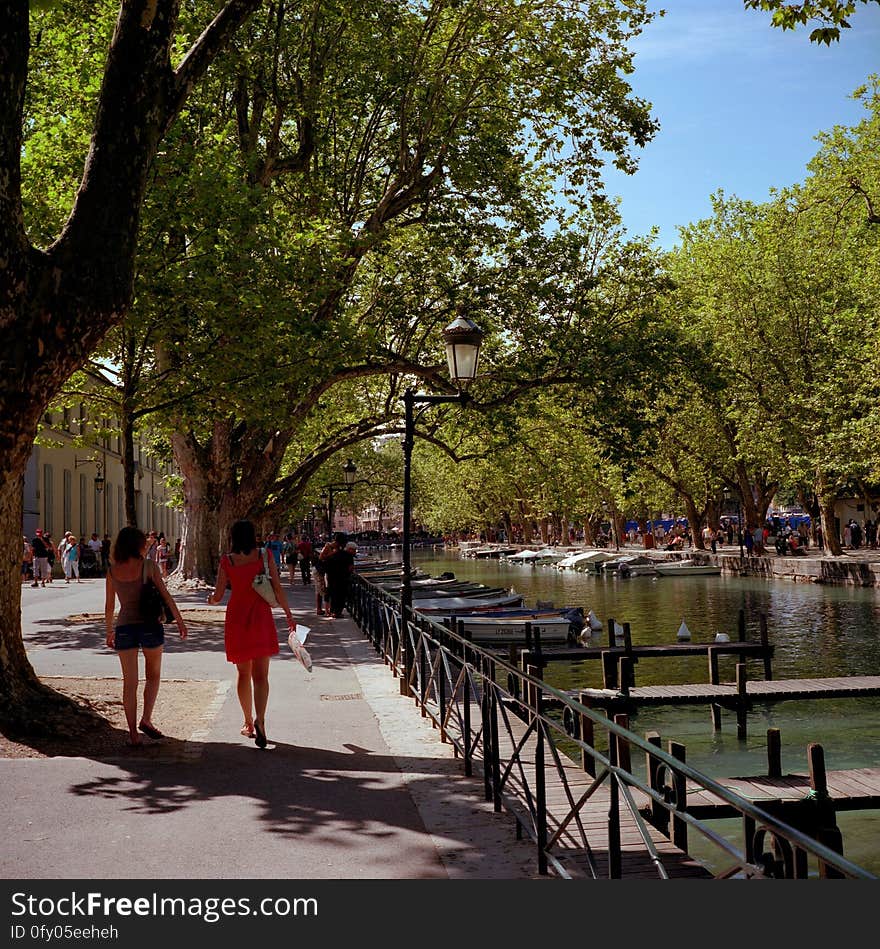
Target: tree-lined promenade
x=241 y=230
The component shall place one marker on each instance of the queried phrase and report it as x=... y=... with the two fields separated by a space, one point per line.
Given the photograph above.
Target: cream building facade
x=80 y=489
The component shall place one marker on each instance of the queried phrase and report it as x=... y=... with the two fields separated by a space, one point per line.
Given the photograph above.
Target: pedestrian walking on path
x=249 y=630
x=126 y=577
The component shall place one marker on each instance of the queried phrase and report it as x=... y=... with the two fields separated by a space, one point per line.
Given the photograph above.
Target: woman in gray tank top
x=132 y=633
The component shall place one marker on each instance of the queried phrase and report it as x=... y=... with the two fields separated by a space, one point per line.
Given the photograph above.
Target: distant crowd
x=71 y=559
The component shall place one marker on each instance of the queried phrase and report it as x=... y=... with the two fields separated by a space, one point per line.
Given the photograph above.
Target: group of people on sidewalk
x=41 y=553
x=250 y=636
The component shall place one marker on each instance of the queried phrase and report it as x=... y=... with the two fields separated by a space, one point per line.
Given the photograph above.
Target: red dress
x=250 y=629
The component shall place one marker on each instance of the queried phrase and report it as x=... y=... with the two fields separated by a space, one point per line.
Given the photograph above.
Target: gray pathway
x=354 y=783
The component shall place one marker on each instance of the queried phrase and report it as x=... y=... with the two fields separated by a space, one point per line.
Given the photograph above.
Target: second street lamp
x=462 y=339
x=349 y=470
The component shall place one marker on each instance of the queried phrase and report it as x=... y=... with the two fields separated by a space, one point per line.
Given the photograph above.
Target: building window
x=68 y=500
x=48 y=498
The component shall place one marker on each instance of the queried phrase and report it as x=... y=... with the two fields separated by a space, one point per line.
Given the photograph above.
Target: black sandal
x=259 y=736
x=150 y=731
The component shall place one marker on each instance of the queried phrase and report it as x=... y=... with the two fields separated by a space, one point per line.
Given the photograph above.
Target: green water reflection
x=817 y=631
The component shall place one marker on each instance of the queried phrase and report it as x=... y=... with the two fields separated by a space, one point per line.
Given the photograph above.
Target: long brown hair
x=129 y=544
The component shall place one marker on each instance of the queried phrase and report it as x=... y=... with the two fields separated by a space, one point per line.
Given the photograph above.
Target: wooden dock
x=728 y=695
x=738 y=697
x=807 y=801
x=566 y=784
x=857 y=789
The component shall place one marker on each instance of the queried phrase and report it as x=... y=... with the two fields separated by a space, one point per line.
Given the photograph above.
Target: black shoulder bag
x=153 y=607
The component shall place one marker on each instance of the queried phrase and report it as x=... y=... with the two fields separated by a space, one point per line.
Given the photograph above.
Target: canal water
x=816 y=631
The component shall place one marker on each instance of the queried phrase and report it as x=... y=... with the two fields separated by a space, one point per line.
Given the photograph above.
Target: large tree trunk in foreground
x=56 y=305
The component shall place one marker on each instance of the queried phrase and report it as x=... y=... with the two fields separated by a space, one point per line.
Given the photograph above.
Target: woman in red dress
x=251 y=637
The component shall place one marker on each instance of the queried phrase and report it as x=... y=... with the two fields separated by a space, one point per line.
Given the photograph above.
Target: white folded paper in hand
x=296 y=642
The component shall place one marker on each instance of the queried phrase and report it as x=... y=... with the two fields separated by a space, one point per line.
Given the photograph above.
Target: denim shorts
x=143 y=635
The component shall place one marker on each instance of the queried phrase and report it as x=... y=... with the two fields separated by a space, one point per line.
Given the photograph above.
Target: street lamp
x=99 y=477
x=349 y=470
x=463 y=339
x=739 y=524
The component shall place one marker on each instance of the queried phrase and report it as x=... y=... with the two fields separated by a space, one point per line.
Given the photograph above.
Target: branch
x=204 y=51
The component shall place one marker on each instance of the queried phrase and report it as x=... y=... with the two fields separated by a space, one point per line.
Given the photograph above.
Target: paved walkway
x=354 y=783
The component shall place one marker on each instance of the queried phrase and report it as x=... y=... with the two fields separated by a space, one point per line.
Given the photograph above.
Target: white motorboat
x=686 y=568
x=629 y=560
x=524 y=556
x=581 y=561
x=512 y=629
x=549 y=555
x=459 y=604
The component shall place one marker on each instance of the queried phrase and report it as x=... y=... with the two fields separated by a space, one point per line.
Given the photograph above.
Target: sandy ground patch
x=184 y=711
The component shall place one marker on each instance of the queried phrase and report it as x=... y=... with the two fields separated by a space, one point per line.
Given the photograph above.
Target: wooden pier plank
x=635 y=861
x=758 y=689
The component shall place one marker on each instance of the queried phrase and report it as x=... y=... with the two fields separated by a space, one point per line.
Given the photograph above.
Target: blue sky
x=739 y=103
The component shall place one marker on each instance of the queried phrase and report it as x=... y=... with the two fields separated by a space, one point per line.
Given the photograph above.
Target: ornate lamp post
x=349 y=470
x=463 y=340
x=99 y=488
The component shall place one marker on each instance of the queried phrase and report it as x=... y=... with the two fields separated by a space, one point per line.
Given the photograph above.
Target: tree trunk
x=200 y=532
x=695 y=521
x=128 y=471
x=18 y=683
x=830 y=533
x=56 y=305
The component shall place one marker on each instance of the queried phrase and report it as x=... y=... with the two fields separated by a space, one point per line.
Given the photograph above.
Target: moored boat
x=458 y=604
x=686 y=568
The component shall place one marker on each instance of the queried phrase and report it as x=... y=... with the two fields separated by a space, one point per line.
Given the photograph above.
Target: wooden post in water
x=527 y=665
x=679 y=827
x=741 y=700
x=624 y=673
x=741 y=626
x=587 y=735
x=629 y=680
x=827 y=831
x=627 y=639
x=609 y=669
x=714 y=680
x=774 y=753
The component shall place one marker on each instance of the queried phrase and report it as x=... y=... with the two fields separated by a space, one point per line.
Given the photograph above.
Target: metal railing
x=495 y=716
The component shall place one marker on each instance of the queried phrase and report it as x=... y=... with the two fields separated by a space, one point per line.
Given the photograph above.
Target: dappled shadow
x=300 y=791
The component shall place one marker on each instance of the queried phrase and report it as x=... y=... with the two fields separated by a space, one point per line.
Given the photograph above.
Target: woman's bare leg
x=153 y=677
x=128 y=659
x=260 y=676
x=246 y=694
